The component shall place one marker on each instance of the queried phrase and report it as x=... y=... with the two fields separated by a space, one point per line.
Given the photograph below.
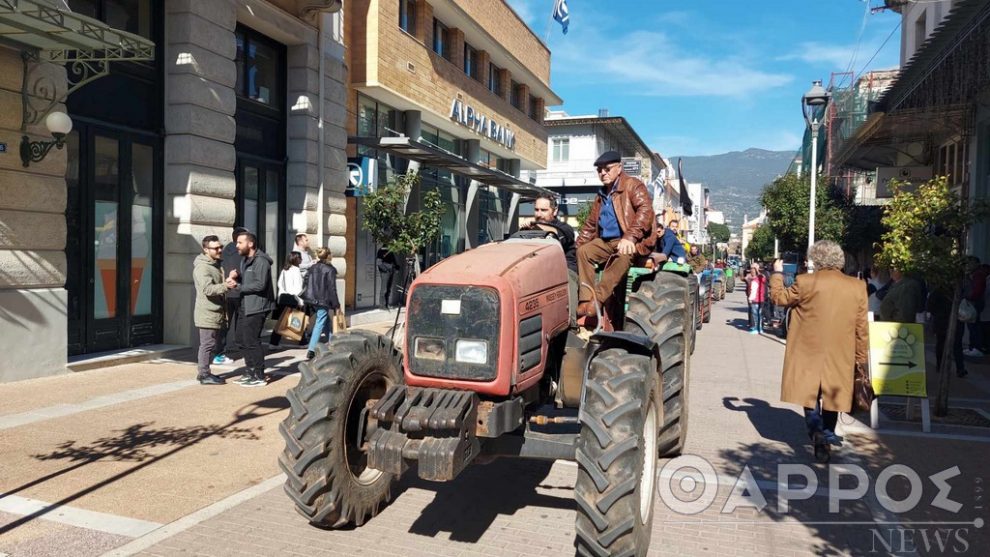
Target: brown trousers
x=599 y=251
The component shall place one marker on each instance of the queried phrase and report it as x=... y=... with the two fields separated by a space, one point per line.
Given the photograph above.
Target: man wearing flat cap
x=620 y=224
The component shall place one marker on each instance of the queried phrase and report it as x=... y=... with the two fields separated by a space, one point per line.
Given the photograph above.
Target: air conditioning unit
x=914 y=175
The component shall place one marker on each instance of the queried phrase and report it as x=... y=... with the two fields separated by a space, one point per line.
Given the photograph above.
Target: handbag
x=292 y=324
x=863 y=393
x=967 y=311
x=339 y=322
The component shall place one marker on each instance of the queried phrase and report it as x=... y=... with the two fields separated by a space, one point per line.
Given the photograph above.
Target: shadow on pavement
x=135 y=444
x=741 y=324
x=468 y=506
x=773 y=424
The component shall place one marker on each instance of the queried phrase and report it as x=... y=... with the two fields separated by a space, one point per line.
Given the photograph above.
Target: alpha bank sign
x=468 y=117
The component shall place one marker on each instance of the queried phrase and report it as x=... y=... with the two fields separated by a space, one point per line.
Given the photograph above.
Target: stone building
x=208 y=116
x=455 y=90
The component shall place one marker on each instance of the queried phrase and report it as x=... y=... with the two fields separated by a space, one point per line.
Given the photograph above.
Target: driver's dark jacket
x=565 y=235
x=634 y=211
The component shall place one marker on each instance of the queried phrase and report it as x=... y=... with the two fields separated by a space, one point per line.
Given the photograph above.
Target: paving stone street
x=140 y=460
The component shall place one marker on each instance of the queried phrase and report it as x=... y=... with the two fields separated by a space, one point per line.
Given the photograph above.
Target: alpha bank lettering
x=469 y=117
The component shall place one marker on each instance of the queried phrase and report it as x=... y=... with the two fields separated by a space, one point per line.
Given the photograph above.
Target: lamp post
x=816 y=98
x=59 y=125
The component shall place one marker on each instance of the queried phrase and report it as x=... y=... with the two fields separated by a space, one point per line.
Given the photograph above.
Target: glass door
x=112 y=248
x=261 y=204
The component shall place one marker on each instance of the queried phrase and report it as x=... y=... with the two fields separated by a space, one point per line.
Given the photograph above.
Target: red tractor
x=493 y=366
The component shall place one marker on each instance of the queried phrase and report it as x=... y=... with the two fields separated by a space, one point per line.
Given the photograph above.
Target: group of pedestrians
x=235 y=296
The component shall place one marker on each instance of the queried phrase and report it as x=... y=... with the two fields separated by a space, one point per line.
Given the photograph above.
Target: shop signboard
x=362 y=175
x=632 y=166
x=897 y=359
x=469 y=117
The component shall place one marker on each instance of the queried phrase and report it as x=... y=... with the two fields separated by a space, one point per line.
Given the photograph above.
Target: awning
x=885 y=138
x=60 y=36
x=436 y=157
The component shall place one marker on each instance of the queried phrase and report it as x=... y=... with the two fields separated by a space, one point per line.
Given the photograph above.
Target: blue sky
x=701 y=77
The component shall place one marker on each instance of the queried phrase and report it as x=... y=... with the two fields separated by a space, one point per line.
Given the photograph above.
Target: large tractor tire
x=617 y=455
x=660 y=310
x=326 y=471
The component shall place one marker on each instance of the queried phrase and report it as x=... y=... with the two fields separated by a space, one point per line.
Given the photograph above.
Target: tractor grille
x=439 y=317
x=530 y=342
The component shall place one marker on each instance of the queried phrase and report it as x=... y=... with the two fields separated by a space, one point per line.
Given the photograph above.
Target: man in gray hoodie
x=253 y=281
x=208 y=313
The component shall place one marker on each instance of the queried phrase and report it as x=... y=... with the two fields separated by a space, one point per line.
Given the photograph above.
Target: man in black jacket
x=545 y=213
x=254 y=283
x=230 y=263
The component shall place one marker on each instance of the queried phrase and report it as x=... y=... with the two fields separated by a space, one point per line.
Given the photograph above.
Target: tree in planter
x=760 y=246
x=402 y=234
x=924 y=233
x=786 y=201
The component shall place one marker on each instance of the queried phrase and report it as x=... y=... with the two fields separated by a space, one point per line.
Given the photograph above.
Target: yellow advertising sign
x=897 y=359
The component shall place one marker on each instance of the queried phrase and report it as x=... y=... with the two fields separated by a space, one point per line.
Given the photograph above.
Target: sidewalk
x=139 y=459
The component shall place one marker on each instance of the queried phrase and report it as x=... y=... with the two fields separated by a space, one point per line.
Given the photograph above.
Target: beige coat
x=827 y=337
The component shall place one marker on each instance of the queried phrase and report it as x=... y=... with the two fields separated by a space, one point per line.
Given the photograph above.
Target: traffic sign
x=897 y=359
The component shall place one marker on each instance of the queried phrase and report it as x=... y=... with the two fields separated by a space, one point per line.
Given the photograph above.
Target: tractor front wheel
x=325 y=464
x=617 y=455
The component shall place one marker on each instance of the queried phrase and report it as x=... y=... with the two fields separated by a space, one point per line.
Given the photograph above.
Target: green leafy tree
x=760 y=246
x=583 y=215
x=786 y=201
x=924 y=235
x=398 y=232
x=718 y=232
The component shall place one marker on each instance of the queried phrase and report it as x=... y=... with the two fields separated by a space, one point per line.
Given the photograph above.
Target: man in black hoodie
x=253 y=281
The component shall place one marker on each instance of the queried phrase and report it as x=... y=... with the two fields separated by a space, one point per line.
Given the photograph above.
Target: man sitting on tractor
x=618 y=228
x=697 y=260
x=669 y=247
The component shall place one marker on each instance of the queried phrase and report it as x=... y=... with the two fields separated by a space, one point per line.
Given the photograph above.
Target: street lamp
x=59 y=125
x=816 y=98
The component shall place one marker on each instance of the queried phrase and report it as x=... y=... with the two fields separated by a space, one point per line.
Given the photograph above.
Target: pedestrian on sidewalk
x=828 y=337
x=320 y=292
x=208 y=312
x=939 y=305
x=290 y=285
x=230 y=262
x=976 y=279
x=302 y=246
x=904 y=300
x=253 y=281
x=755 y=294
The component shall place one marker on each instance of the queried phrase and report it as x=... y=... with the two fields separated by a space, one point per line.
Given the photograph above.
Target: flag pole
x=550 y=23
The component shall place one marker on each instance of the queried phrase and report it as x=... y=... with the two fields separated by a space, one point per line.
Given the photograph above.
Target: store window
x=441 y=39
x=494 y=85
x=133 y=16
x=260 y=68
x=471 y=61
x=561 y=149
x=407 y=16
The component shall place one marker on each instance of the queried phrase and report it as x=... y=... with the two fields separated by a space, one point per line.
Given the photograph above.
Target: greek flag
x=561 y=13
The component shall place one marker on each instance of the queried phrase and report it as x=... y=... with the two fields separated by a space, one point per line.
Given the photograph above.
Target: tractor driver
x=545 y=212
x=619 y=226
x=669 y=247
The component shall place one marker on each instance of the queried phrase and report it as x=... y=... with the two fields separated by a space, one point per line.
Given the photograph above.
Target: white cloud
x=649 y=63
x=847 y=57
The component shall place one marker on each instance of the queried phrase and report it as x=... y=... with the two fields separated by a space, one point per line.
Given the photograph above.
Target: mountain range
x=736 y=179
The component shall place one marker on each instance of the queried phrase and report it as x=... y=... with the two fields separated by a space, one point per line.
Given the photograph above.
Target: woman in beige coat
x=827 y=338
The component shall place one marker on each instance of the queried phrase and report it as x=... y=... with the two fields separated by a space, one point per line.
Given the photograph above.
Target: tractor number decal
x=542 y=299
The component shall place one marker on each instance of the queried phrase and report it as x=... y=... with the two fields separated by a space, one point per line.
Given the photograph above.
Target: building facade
x=455 y=91
x=574 y=143
x=236 y=118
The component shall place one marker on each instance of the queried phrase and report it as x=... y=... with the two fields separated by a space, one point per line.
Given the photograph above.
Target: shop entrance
x=113 y=244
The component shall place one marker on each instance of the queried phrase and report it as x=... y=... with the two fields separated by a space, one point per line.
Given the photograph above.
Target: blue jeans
x=322 y=321
x=755 y=316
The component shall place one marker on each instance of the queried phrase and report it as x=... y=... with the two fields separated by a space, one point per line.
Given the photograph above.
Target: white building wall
x=918 y=21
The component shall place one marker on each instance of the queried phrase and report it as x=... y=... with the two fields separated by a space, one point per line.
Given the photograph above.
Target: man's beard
x=544 y=220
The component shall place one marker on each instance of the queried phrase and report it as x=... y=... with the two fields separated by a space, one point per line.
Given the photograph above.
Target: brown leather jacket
x=634 y=211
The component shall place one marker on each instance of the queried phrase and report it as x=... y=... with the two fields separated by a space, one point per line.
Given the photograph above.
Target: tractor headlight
x=471 y=352
x=429 y=348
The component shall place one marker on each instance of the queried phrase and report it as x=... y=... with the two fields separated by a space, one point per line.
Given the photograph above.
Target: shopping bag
x=292 y=324
x=339 y=322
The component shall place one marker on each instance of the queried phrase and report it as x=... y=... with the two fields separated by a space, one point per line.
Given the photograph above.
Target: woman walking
x=320 y=292
x=755 y=293
x=827 y=339
x=290 y=285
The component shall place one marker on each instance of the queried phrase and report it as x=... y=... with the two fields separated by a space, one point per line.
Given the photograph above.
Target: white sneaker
x=973 y=352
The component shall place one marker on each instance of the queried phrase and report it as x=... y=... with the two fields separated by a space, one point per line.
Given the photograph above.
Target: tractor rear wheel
x=326 y=469
x=660 y=310
x=617 y=455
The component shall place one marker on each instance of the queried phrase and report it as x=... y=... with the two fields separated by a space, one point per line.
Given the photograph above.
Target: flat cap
x=608 y=157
